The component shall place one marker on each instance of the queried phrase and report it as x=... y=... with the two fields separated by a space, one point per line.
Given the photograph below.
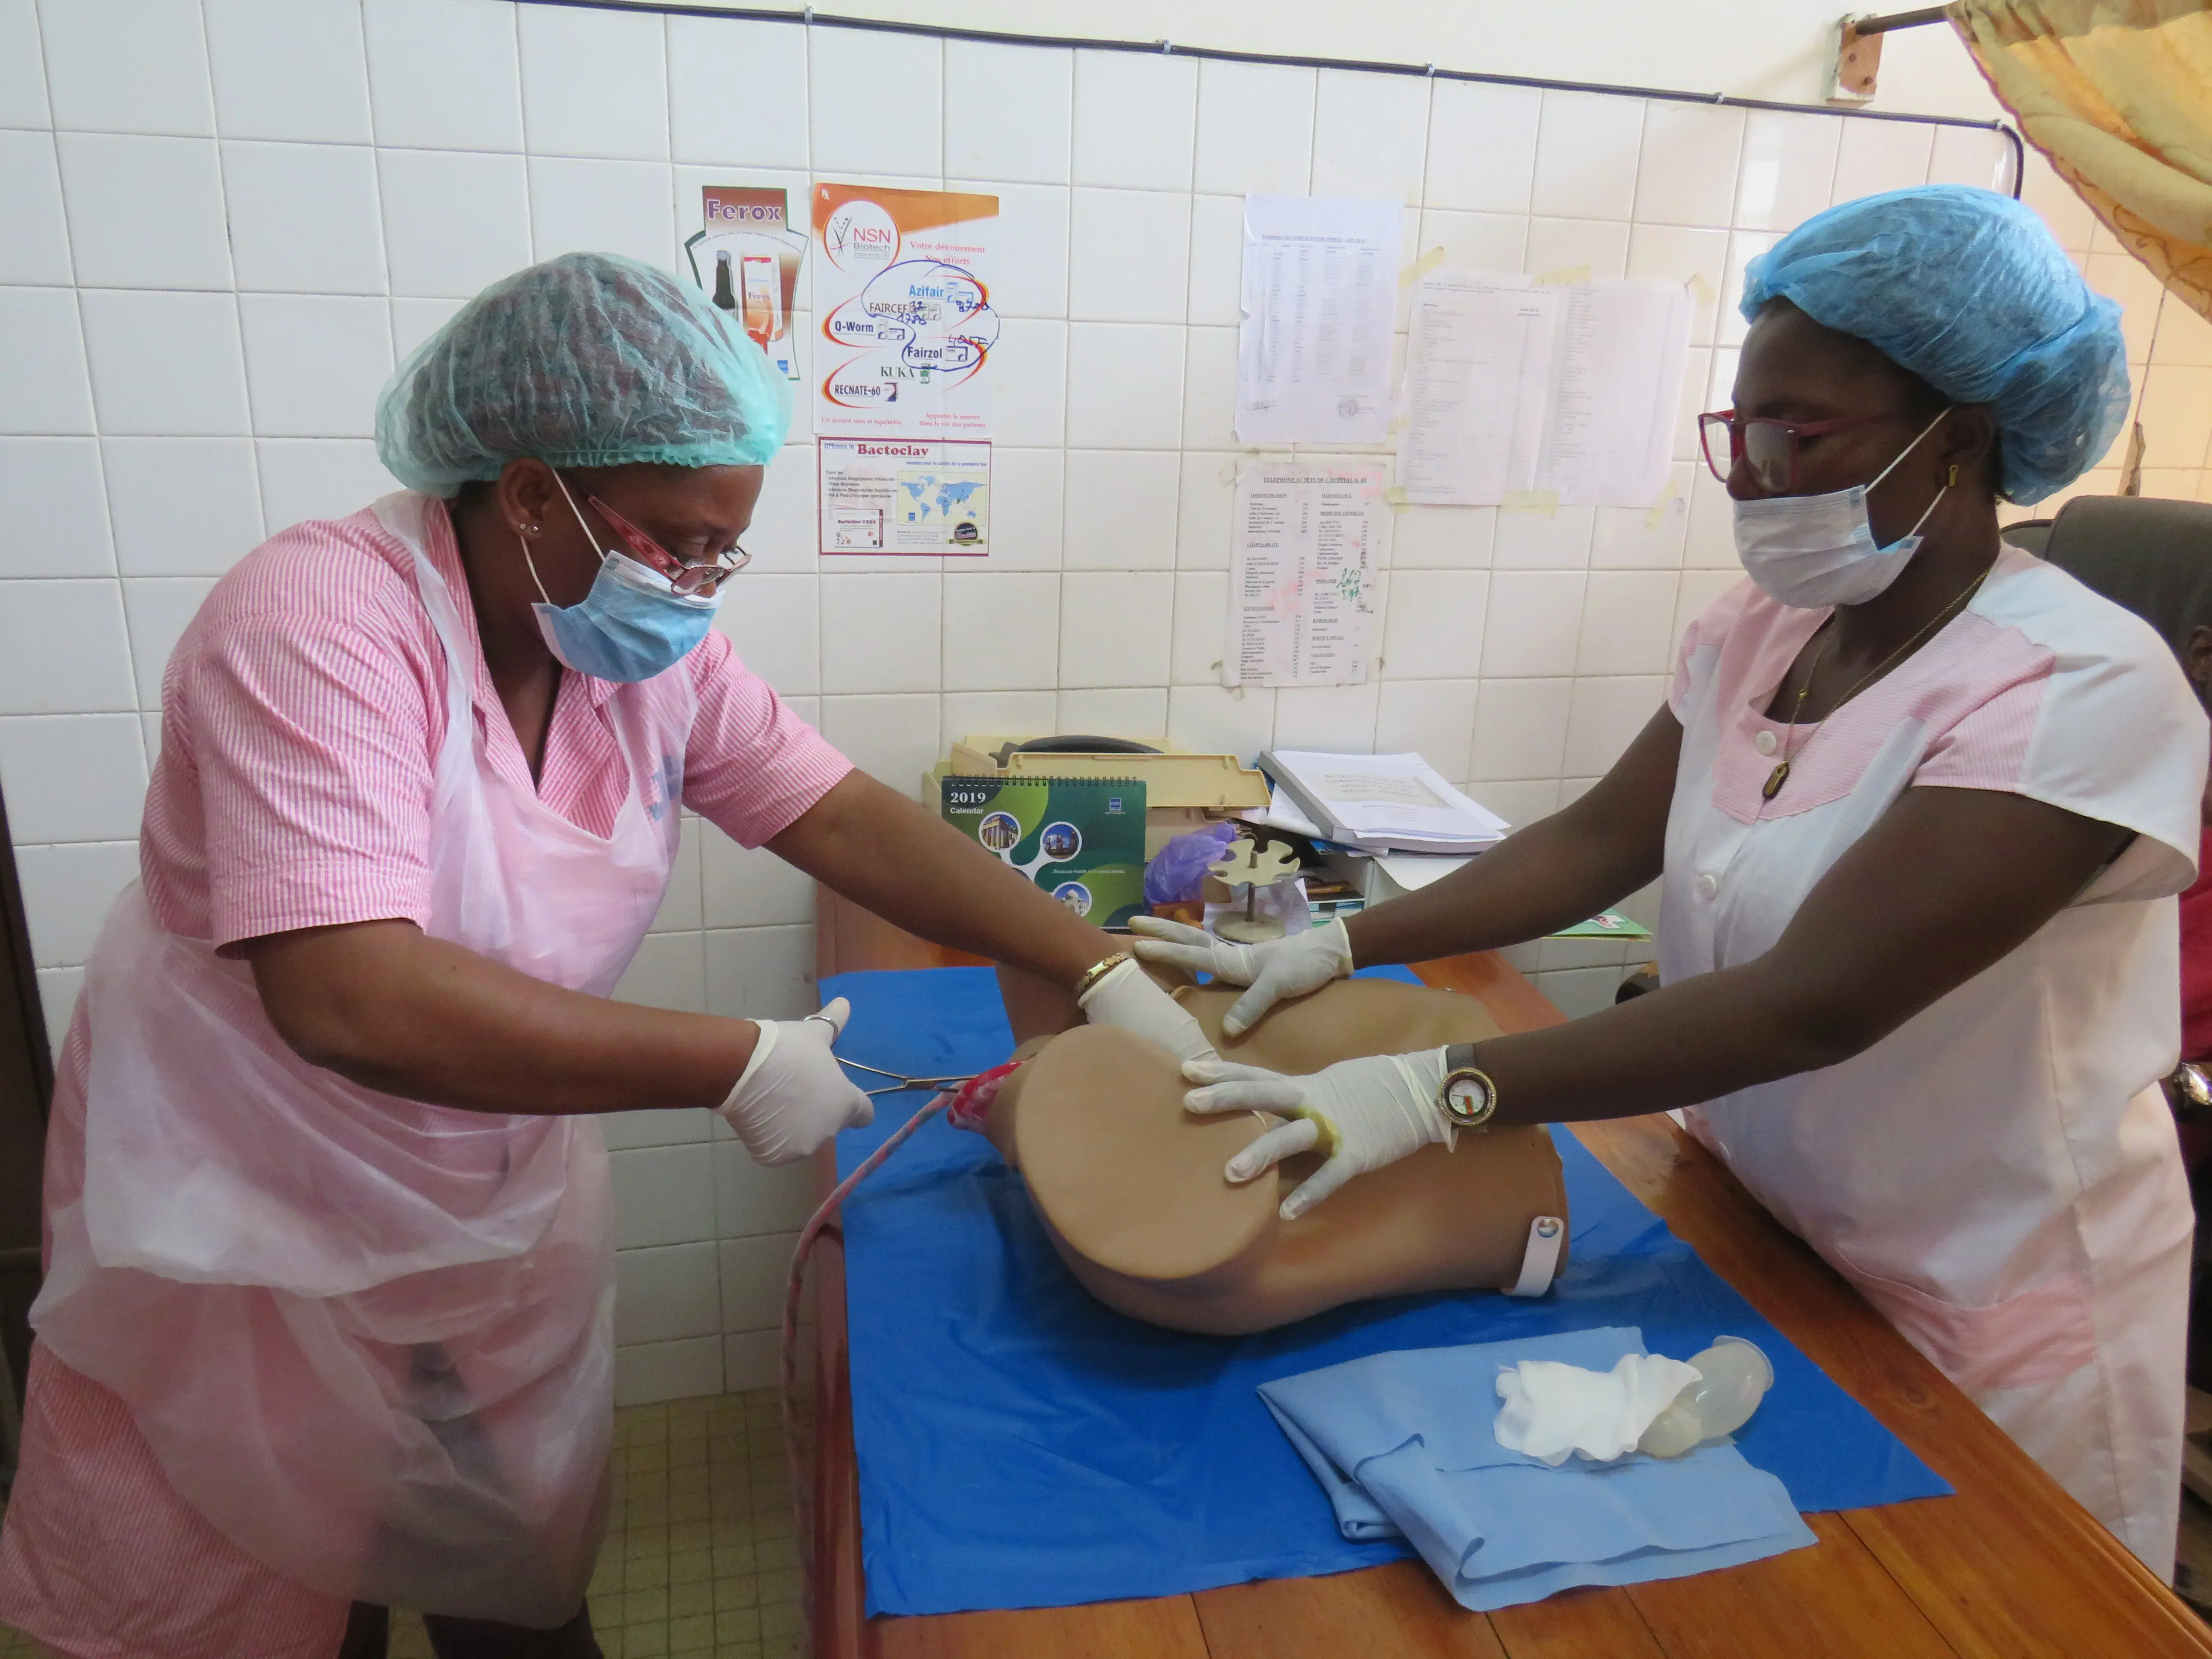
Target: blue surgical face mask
x=631 y=626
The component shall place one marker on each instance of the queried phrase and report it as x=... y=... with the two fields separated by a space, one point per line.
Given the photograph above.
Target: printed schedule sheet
x=1302 y=558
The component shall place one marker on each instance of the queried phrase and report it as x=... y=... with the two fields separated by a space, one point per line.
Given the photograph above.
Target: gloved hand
x=1362 y=1113
x=1280 y=968
x=1126 y=998
x=793 y=1095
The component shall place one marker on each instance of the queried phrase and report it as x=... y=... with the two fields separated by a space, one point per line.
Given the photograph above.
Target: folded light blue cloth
x=1403 y=1444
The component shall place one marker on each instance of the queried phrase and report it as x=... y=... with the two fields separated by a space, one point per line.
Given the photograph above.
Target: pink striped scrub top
x=302 y=715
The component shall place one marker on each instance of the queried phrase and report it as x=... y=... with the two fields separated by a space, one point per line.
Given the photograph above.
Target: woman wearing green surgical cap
x=1919 y=804
x=328 y=1321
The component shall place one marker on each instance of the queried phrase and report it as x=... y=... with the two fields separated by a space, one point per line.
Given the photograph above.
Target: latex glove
x=793 y=1096
x=1280 y=968
x=1363 y=1114
x=1128 y=999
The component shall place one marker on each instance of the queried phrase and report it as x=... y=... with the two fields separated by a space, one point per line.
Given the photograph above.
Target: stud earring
x=531 y=529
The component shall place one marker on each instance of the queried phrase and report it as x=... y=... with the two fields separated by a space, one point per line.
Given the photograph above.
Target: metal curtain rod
x=1899 y=19
x=814 y=19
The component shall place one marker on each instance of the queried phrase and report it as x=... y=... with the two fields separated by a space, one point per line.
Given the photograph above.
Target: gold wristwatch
x=1467 y=1097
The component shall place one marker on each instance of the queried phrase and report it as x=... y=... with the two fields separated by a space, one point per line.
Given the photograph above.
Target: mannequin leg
x=1129 y=1186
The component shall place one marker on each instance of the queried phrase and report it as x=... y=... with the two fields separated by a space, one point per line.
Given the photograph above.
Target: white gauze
x=1551 y=1410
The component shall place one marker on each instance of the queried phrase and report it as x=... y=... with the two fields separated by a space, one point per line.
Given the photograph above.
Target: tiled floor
x=701 y=1557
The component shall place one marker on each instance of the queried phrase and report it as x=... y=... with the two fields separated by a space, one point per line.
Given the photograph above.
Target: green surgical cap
x=1968 y=290
x=588 y=359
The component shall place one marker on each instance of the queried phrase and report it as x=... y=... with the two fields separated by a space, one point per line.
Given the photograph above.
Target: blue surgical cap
x=1968 y=290
x=588 y=359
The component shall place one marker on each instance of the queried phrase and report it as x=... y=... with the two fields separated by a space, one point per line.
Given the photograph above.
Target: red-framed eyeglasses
x=690 y=579
x=1769 y=446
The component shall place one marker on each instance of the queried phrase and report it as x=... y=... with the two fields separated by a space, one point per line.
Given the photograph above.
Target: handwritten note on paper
x=1477 y=370
x=1303 y=555
x=1563 y=393
x=1321 y=294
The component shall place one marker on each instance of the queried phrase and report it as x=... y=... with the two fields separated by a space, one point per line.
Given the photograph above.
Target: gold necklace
x=1780 y=775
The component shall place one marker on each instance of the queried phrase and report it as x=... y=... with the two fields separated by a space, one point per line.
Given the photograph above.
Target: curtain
x=2117 y=93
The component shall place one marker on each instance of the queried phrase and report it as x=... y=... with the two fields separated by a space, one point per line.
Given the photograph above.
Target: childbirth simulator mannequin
x=1130 y=1185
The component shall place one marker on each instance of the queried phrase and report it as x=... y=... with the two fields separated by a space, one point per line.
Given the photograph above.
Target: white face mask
x=1814 y=550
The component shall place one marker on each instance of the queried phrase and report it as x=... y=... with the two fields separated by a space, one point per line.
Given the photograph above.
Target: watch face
x=1466 y=1099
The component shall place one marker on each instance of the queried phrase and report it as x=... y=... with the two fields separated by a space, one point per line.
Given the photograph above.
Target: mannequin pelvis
x=1130 y=1186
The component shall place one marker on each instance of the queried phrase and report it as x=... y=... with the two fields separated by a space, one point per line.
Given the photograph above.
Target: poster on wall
x=902 y=288
x=905 y=496
x=1302 y=558
x=746 y=256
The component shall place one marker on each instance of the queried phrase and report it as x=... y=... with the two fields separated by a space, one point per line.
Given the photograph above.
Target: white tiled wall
x=228 y=219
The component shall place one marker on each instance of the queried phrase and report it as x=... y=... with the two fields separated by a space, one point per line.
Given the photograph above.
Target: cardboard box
x=1218 y=783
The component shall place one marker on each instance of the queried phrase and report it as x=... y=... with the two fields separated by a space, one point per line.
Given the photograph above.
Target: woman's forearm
x=1542 y=879
x=1911 y=911
x=383 y=1005
x=1695 y=1041
x=1557 y=871
x=882 y=851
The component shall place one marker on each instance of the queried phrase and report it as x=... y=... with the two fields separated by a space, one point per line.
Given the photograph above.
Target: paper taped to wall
x=1303 y=555
x=1515 y=389
x=1321 y=295
x=905 y=496
x=1616 y=389
x=1477 y=366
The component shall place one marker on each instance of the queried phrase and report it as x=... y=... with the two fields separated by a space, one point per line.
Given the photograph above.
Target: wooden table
x=2011 y=1566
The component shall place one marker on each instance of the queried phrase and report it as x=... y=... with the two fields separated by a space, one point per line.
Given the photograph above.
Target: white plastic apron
x=371 y=1340
x=1993 y=1175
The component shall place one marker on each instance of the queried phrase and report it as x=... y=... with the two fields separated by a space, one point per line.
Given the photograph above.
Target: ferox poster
x=902 y=292
x=746 y=258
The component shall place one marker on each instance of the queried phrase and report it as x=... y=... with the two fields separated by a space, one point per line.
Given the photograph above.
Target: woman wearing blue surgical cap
x=1919 y=804
x=327 y=1325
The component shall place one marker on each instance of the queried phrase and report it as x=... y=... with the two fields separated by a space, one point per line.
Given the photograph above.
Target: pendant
x=1775 y=780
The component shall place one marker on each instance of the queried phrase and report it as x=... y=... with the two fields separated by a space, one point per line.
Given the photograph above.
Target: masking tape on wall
x=1420 y=267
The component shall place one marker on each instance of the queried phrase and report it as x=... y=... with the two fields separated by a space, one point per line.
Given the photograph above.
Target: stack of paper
x=1381 y=803
x=1281 y=812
